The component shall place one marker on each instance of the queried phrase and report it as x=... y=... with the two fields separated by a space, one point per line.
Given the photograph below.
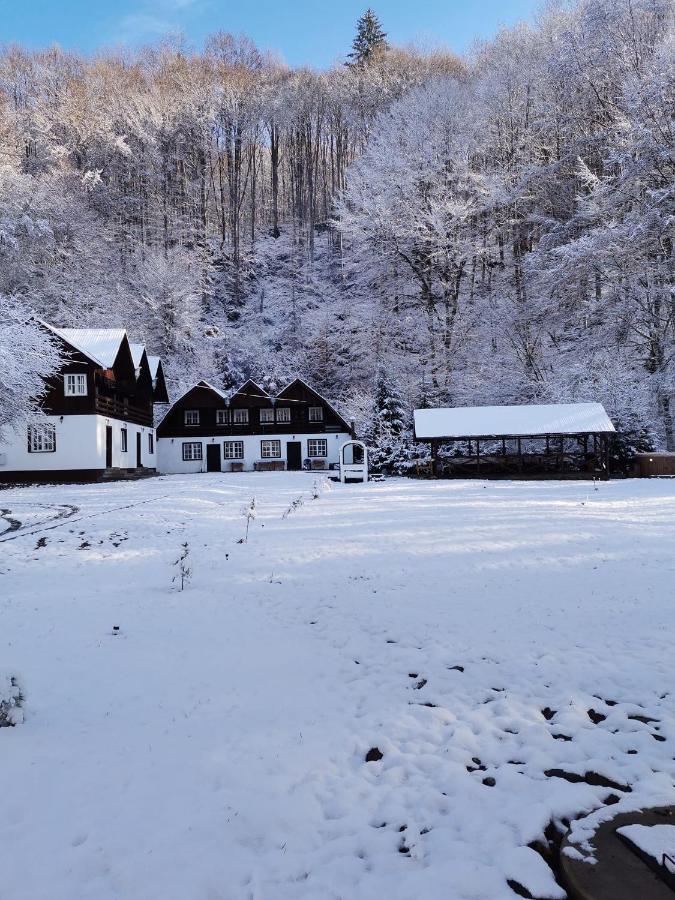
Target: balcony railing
x=117 y=409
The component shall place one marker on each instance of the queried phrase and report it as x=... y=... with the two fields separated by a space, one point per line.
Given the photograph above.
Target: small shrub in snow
x=296 y=504
x=11 y=701
x=249 y=513
x=183 y=566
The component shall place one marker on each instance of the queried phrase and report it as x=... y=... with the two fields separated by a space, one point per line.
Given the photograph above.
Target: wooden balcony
x=117 y=409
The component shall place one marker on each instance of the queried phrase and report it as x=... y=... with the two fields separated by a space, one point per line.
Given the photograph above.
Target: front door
x=108 y=446
x=294 y=456
x=139 y=461
x=213 y=457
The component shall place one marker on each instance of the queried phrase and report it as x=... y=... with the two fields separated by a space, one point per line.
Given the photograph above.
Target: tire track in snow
x=64 y=511
x=12 y=524
x=37 y=529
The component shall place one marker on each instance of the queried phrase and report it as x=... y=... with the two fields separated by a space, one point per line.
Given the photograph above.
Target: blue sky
x=311 y=32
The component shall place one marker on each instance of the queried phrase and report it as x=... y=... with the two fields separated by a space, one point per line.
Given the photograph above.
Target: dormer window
x=191 y=417
x=267 y=415
x=241 y=416
x=75 y=385
x=316 y=414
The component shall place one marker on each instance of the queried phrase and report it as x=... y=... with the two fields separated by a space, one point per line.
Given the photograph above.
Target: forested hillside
x=407 y=228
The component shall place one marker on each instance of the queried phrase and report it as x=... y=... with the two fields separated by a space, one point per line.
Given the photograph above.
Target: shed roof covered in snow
x=511 y=421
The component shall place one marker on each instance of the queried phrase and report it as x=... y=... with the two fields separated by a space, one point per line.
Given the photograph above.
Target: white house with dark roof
x=97 y=412
x=207 y=430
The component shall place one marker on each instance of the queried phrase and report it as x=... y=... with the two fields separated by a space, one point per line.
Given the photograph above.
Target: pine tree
x=390 y=437
x=389 y=405
x=370 y=40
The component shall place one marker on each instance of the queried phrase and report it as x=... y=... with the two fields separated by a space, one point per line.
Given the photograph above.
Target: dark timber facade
x=252 y=430
x=96 y=412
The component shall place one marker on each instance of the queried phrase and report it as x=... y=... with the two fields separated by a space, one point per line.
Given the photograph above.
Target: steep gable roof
x=154 y=362
x=137 y=351
x=215 y=390
x=307 y=387
x=257 y=390
x=100 y=345
x=200 y=384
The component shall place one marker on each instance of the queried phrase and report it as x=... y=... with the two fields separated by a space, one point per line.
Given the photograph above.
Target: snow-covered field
x=215 y=748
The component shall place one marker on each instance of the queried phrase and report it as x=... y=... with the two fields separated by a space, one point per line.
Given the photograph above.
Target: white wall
x=80 y=444
x=170 y=450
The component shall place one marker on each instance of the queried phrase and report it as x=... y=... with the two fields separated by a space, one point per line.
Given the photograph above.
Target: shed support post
x=434 y=458
x=477 y=456
x=520 y=456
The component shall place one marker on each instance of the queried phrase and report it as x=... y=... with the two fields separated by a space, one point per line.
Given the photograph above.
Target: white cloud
x=155 y=18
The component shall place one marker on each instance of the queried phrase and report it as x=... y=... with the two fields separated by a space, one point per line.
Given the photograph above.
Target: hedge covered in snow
x=11 y=701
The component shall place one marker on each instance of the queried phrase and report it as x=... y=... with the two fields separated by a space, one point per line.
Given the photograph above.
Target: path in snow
x=502 y=645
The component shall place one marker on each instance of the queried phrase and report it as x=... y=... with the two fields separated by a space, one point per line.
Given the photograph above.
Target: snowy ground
x=215 y=748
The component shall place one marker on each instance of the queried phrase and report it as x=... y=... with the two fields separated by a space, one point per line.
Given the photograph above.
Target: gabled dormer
x=159 y=391
x=199 y=411
x=143 y=375
x=310 y=408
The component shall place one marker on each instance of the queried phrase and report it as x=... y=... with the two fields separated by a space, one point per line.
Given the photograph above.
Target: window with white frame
x=317 y=447
x=316 y=414
x=240 y=416
x=233 y=449
x=191 y=417
x=42 y=438
x=223 y=417
x=270 y=449
x=267 y=415
x=283 y=414
x=151 y=442
x=75 y=385
x=124 y=440
x=192 y=450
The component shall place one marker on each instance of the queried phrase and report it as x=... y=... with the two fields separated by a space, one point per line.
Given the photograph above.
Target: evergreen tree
x=370 y=40
x=632 y=436
x=390 y=436
x=390 y=410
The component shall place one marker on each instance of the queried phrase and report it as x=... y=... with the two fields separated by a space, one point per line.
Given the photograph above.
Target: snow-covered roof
x=263 y=393
x=316 y=394
x=137 y=351
x=101 y=345
x=206 y=384
x=153 y=362
x=512 y=421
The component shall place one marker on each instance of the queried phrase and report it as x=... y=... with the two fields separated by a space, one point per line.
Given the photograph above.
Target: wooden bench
x=236 y=467
x=269 y=465
x=319 y=465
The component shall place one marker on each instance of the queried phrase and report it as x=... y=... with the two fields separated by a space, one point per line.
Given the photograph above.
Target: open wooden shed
x=531 y=441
